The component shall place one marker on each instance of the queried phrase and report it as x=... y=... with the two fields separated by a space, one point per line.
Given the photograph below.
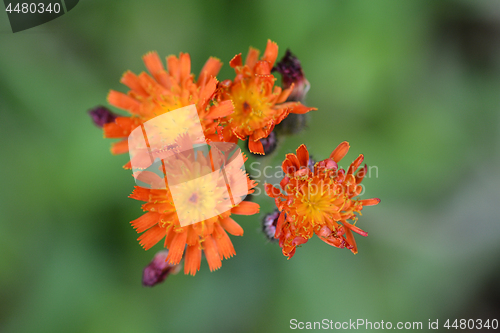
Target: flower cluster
x=313 y=198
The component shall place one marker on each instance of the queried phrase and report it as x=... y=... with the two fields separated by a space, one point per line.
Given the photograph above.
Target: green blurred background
x=413 y=85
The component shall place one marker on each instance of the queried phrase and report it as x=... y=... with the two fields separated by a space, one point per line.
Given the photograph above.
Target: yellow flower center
x=251 y=109
x=197 y=199
x=315 y=203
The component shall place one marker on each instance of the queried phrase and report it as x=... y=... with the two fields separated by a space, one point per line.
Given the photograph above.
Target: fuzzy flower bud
x=269 y=225
x=291 y=73
x=101 y=115
x=158 y=270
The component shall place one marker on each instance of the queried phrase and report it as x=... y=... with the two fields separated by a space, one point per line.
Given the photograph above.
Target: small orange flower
x=164 y=91
x=258 y=104
x=200 y=198
x=319 y=200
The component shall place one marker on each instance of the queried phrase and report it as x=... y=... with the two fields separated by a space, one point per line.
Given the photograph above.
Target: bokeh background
x=413 y=85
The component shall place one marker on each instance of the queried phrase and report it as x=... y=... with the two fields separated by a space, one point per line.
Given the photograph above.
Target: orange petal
x=246 y=208
x=279 y=225
x=169 y=237
x=231 y=226
x=325 y=231
x=113 y=130
x=291 y=164
x=354 y=228
x=350 y=239
x=355 y=164
x=253 y=55
x=340 y=176
x=259 y=134
x=271 y=52
x=211 y=253
x=224 y=244
x=256 y=147
x=145 y=222
x=284 y=94
x=297 y=107
x=238 y=132
x=132 y=81
x=289 y=254
x=124 y=102
x=263 y=69
x=223 y=109
x=176 y=248
x=236 y=61
x=120 y=147
x=185 y=64
x=153 y=62
x=370 y=202
x=128 y=166
x=361 y=174
x=192 y=238
x=299 y=240
x=207 y=92
x=121 y=127
x=151 y=237
x=173 y=67
x=303 y=155
x=284 y=181
x=193 y=260
x=151 y=86
x=155 y=66
x=272 y=191
x=127 y=123
x=340 y=151
x=140 y=193
x=281 y=114
x=211 y=68
x=331 y=241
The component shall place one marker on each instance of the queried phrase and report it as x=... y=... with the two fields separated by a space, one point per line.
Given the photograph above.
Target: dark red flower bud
x=158 y=270
x=269 y=225
x=291 y=73
x=101 y=115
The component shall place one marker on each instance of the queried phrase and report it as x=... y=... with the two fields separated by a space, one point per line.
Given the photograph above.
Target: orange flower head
x=258 y=104
x=319 y=199
x=202 y=199
x=165 y=90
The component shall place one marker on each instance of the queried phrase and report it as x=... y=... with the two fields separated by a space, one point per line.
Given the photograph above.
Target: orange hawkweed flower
x=199 y=199
x=258 y=104
x=319 y=200
x=163 y=91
